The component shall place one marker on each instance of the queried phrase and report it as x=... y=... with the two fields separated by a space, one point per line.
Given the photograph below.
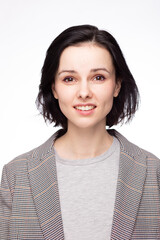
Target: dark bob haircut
x=124 y=106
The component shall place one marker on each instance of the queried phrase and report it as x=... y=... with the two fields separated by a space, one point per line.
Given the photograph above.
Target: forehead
x=85 y=55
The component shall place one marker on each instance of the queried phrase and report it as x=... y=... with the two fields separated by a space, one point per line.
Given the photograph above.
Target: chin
x=87 y=125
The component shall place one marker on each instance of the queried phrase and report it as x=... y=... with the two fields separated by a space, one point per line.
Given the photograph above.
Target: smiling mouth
x=85 y=108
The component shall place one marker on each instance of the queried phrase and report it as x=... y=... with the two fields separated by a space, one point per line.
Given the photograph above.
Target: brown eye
x=99 y=78
x=68 y=79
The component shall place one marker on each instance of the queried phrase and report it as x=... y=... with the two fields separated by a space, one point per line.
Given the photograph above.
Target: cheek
x=64 y=100
x=106 y=95
x=58 y=92
x=63 y=106
x=106 y=99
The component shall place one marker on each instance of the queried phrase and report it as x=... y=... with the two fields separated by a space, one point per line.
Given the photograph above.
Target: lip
x=85 y=112
x=84 y=104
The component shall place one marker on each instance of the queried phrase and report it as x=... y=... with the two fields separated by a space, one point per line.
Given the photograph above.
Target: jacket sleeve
x=5 y=206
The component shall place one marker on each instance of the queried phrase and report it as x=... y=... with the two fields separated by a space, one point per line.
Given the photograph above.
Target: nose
x=84 y=90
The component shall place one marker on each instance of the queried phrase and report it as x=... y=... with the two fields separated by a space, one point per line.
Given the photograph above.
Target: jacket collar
x=44 y=186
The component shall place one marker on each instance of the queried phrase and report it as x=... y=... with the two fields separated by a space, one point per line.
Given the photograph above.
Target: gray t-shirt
x=87 y=190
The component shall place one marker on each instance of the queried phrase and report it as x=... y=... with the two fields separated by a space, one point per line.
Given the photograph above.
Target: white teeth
x=84 y=108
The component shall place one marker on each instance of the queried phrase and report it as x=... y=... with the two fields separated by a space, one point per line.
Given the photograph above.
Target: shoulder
x=140 y=156
x=153 y=162
x=135 y=151
x=150 y=155
x=15 y=169
x=19 y=163
x=130 y=146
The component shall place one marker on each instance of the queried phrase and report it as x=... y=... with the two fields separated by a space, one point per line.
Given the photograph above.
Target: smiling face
x=85 y=85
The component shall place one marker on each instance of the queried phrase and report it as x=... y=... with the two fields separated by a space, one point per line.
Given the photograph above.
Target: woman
x=85 y=182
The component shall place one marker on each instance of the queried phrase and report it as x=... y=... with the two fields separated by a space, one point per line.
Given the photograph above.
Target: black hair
x=124 y=106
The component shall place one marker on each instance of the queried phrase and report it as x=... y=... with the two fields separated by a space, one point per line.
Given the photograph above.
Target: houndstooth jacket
x=30 y=204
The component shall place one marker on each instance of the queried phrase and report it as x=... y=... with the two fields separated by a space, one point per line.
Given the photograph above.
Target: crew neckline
x=88 y=161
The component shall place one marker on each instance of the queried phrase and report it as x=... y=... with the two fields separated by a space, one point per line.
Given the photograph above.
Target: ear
x=54 y=91
x=117 y=88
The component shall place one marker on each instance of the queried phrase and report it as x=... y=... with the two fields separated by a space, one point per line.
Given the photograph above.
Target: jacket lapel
x=43 y=180
x=132 y=174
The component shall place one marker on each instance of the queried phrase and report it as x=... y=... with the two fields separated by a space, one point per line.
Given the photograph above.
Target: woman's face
x=85 y=85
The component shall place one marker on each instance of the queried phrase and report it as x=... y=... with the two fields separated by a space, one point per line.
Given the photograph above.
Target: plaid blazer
x=30 y=204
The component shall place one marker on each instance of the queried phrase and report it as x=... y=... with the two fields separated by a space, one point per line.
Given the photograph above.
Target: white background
x=28 y=27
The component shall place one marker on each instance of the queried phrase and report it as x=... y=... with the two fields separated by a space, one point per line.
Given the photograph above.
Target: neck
x=80 y=143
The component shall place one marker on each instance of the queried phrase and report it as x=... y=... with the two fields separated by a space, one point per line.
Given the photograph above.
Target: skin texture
x=86 y=76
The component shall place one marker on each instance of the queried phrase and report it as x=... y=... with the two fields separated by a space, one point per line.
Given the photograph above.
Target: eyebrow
x=92 y=70
x=66 y=71
x=98 y=69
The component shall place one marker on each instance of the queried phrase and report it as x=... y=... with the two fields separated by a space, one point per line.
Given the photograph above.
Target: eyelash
x=71 y=79
x=66 y=79
x=100 y=76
